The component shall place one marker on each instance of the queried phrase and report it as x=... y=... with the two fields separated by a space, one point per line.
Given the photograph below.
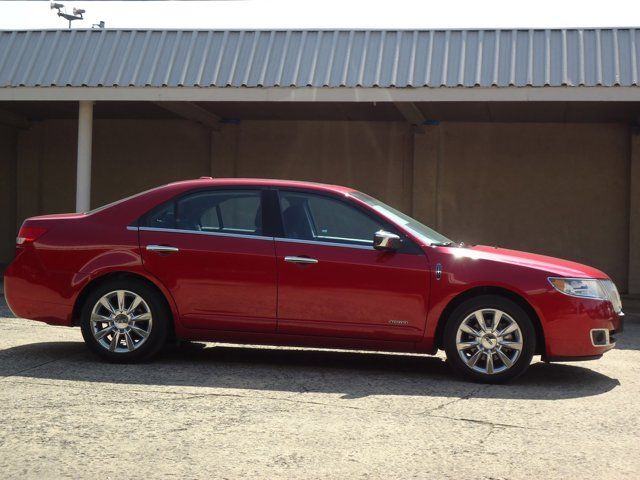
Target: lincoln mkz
x=301 y=264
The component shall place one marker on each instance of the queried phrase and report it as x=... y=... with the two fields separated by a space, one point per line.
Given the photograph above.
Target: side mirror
x=386 y=241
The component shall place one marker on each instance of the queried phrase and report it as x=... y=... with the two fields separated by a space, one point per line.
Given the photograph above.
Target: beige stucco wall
x=128 y=156
x=370 y=156
x=8 y=157
x=634 y=215
x=557 y=189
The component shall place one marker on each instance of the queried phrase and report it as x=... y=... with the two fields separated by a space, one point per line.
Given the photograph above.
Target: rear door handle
x=300 y=260
x=162 y=248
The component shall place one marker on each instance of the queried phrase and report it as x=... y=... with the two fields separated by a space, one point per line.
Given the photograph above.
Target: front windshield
x=420 y=230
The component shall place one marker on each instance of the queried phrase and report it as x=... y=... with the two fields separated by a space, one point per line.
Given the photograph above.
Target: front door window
x=315 y=217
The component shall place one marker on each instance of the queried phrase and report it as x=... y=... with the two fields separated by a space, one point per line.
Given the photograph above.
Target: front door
x=209 y=251
x=331 y=281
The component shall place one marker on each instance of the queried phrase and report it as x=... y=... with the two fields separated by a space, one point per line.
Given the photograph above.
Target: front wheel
x=124 y=321
x=489 y=339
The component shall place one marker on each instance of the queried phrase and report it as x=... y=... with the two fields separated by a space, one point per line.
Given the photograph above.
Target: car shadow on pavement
x=351 y=374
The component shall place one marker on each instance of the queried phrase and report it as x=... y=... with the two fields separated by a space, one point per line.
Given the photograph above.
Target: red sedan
x=294 y=263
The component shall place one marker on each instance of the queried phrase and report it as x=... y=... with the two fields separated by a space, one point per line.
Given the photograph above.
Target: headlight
x=588 y=288
x=579 y=287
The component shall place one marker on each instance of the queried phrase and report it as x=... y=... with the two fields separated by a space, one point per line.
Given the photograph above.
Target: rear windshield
x=122 y=200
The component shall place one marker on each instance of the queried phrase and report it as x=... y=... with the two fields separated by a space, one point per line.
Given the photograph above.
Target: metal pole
x=83 y=167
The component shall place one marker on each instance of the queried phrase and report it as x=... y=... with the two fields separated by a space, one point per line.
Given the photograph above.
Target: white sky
x=249 y=14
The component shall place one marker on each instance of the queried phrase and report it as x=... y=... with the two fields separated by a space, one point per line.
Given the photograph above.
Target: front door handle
x=300 y=260
x=162 y=248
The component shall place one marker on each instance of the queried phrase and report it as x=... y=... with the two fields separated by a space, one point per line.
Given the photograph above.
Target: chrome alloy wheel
x=121 y=321
x=489 y=341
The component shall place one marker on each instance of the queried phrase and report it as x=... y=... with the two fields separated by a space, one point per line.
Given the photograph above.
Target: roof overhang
x=323 y=94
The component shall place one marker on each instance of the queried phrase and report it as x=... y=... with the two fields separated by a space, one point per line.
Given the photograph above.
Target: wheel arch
x=121 y=275
x=492 y=290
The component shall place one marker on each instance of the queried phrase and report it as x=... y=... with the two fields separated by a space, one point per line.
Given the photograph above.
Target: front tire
x=489 y=339
x=125 y=321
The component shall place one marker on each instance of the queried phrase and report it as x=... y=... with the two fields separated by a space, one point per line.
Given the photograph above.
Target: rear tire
x=481 y=350
x=125 y=321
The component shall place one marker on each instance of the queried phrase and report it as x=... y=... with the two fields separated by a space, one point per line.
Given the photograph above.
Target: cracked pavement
x=209 y=410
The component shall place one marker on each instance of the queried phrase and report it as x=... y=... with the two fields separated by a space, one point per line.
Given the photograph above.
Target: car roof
x=130 y=208
x=259 y=182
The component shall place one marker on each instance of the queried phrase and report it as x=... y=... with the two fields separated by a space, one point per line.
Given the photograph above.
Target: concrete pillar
x=83 y=167
x=634 y=215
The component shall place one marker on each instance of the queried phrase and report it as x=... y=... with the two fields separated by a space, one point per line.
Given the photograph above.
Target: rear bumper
x=32 y=294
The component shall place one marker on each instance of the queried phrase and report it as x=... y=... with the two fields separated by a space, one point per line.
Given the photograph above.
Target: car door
x=209 y=249
x=331 y=281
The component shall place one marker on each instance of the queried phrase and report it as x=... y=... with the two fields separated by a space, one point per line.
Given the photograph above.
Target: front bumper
x=577 y=328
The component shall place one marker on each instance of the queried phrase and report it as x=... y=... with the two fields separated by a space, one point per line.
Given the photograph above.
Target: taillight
x=29 y=234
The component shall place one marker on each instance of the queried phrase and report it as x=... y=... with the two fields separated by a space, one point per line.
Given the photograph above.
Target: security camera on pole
x=62 y=12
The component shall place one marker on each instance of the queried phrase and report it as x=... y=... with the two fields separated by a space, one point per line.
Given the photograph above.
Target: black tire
x=513 y=310
x=158 y=333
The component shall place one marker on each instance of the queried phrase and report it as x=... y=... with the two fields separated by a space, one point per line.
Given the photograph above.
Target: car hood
x=555 y=266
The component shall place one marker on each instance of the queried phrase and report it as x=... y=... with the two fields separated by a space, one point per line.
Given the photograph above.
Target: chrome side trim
x=329 y=244
x=133 y=229
x=197 y=232
x=292 y=259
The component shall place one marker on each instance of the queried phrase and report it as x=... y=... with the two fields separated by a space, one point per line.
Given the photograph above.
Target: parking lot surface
x=214 y=411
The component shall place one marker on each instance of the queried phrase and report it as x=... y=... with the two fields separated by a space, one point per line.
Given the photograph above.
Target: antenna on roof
x=77 y=12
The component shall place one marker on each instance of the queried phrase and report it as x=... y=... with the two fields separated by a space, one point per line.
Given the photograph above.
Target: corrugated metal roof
x=320 y=58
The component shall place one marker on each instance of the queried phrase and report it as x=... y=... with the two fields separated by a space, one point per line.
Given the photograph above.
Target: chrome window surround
x=257 y=237
x=329 y=244
x=198 y=232
x=327 y=238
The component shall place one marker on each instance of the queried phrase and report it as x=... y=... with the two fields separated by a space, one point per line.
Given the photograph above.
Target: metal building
x=523 y=138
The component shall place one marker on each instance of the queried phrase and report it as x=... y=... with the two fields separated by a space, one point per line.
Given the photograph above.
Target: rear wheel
x=125 y=321
x=489 y=339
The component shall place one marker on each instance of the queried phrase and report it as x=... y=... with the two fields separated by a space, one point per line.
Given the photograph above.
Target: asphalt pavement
x=220 y=411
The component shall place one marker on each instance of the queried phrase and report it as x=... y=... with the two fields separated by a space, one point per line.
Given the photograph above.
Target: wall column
x=224 y=151
x=83 y=168
x=8 y=192
x=426 y=164
x=634 y=215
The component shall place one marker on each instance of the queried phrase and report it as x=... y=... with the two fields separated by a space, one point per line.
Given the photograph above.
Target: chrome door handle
x=300 y=260
x=162 y=248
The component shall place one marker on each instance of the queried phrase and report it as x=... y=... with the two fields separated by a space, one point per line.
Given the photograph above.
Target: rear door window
x=223 y=211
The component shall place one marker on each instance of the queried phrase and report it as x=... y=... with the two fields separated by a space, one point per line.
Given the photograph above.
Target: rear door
x=331 y=281
x=209 y=249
